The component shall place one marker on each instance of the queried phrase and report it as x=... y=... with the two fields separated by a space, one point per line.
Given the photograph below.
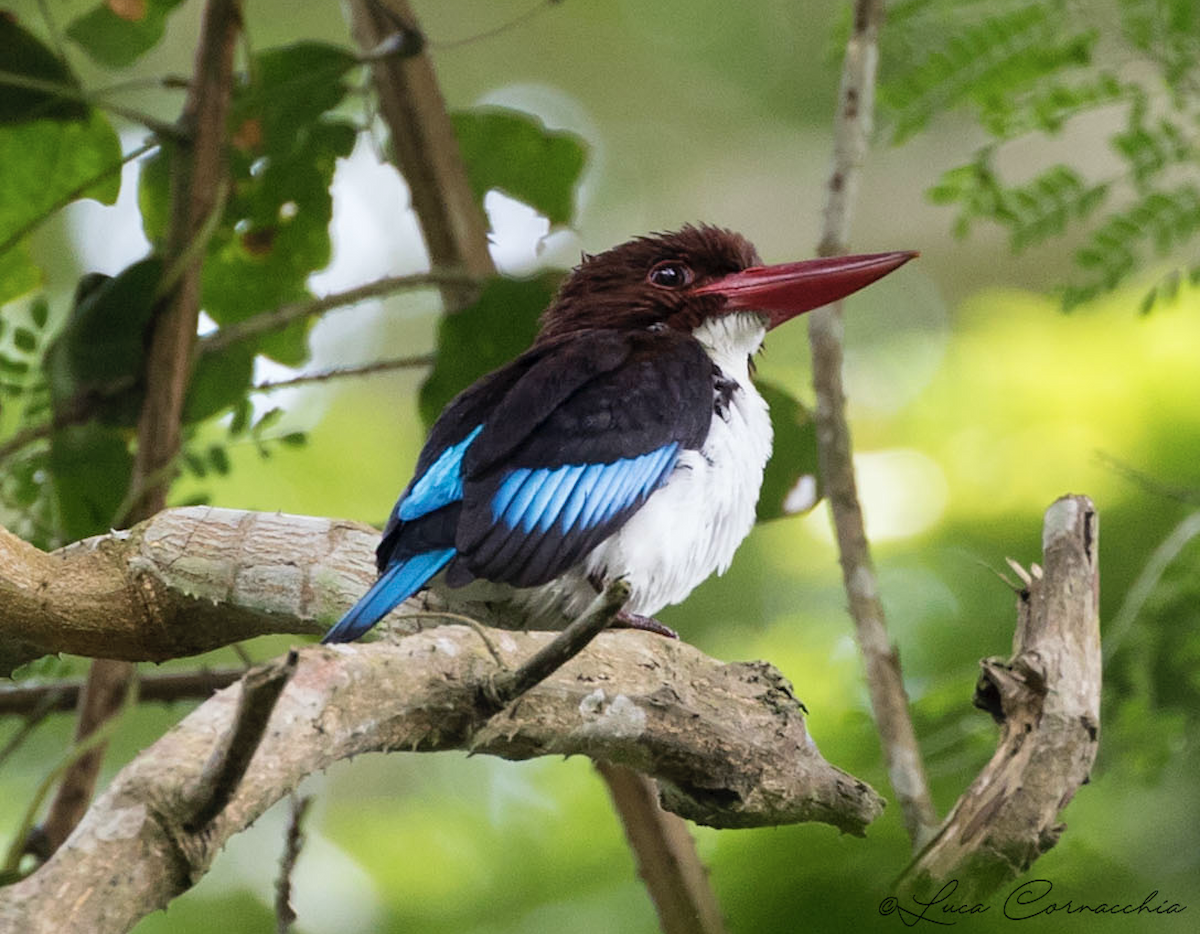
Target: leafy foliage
x=1028 y=68
x=515 y=154
x=118 y=41
x=496 y=328
x=24 y=55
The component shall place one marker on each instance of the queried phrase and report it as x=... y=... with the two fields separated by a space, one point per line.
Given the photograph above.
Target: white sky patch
x=903 y=493
x=517 y=232
x=108 y=238
x=802 y=496
x=374 y=230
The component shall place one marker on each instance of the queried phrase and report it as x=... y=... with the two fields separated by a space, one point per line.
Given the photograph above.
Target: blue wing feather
x=522 y=498
x=579 y=495
x=555 y=504
x=396 y=584
x=600 y=497
x=440 y=485
x=583 y=494
x=548 y=482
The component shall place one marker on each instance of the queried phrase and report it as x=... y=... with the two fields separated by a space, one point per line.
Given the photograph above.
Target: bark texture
x=726 y=742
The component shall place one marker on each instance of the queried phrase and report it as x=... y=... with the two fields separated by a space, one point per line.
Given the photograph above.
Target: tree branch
x=198 y=186
x=727 y=741
x=183 y=582
x=58 y=696
x=1047 y=698
x=666 y=856
x=424 y=146
x=281 y=317
x=889 y=703
x=227 y=765
x=343 y=372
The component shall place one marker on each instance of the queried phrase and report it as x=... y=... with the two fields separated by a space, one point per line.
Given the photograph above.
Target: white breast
x=691 y=526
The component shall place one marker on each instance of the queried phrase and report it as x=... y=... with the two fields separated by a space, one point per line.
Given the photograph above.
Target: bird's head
x=684 y=278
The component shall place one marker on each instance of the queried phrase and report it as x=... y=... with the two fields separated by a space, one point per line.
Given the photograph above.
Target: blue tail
x=397 y=583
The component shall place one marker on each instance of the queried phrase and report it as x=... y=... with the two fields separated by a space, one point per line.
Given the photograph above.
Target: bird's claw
x=627 y=620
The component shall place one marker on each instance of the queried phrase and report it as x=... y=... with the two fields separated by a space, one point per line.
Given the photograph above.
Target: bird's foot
x=627 y=620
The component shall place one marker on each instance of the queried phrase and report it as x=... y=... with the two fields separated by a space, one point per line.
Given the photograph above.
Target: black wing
x=539 y=462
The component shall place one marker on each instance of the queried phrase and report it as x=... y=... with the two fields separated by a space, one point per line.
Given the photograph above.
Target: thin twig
x=285 y=914
x=104 y=695
x=26 y=437
x=36 y=700
x=38 y=711
x=506 y=686
x=888 y=699
x=1147 y=580
x=342 y=372
x=297 y=311
x=27 y=839
x=519 y=20
x=223 y=773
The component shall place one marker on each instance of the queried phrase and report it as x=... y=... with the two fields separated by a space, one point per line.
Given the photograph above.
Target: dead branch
x=726 y=742
x=227 y=765
x=889 y=703
x=1047 y=698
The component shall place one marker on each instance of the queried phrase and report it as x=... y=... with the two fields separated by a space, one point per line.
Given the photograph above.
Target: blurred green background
x=975 y=403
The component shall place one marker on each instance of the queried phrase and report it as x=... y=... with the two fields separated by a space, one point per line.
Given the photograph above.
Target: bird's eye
x=670 y=274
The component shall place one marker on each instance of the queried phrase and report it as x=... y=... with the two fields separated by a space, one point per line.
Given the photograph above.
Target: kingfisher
x=628 y=441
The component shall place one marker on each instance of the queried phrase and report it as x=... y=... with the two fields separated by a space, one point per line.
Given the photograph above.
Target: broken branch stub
x=1047 y=699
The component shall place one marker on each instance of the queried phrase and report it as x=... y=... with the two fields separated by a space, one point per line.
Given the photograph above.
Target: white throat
x=730 y=340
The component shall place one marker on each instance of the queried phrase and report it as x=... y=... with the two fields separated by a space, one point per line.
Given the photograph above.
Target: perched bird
x=628 y=442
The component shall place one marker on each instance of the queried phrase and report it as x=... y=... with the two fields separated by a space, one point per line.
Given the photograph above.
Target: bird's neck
x=730 y=340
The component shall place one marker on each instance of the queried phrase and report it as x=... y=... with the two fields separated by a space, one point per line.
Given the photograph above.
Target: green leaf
x=294 y=439
x=275 y=234
x=47 y=162
x=39 y=313
x=274 y=230
x=514 y=153
x=793 y=458
x=195 y=463
x=488 y=334
x=12 y=367
x=18 y=274
x=22 y=53
x=218 y=457
x=241 y=417
x=24 y=339
x=219 y=381
x=269 y=419
x=91 y=467
x=294 y=87
x=101 y=347
x=118 y=42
